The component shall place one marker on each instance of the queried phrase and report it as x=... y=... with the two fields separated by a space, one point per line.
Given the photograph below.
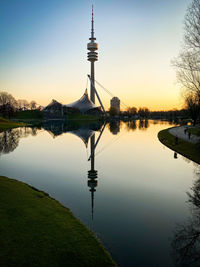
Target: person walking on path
x=185 y=130
x=180 y=133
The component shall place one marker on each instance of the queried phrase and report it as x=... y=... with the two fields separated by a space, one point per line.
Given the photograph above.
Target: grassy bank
x=7 y=124
x=194 y=130
x=28 y=115
x=33 y=117
x=184 y=148
x=82 y=117
x=37 y=230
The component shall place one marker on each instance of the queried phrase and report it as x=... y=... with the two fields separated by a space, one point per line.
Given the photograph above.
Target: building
x=115 y=103
x=84 y=105
x=53 y=110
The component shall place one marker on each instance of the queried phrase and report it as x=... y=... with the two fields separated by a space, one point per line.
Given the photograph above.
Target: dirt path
x=180 y=133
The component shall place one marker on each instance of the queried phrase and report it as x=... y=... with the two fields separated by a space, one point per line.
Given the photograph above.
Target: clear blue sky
x=44 y=56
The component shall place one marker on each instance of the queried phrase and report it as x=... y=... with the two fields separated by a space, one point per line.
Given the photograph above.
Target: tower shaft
x=92 y=93
x=92 y=46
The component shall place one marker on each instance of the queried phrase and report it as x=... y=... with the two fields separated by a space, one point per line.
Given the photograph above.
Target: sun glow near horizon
x=44 y=53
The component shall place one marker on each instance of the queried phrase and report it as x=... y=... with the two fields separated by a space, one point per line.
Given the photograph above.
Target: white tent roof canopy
x=83 y=104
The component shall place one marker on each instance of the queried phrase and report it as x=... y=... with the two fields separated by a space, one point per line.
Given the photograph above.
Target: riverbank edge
x=184 y=148
x=7 y=124
x=21 y=204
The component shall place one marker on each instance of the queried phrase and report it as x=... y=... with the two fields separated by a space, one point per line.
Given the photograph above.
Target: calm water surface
x=137 y=205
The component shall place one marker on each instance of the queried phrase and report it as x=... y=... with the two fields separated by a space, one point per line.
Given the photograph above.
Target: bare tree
x=143 y=112
x=188 y=72
x=192 y=27
x=132 y=111
x=187 y=64
x=23 y=104
x=193 y=106
x=7 y=104
x=33 y=105
x=6 y=98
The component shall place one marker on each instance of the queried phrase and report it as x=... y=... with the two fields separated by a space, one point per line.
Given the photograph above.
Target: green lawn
x=195 y=131
x=28 y=114
x=33 y=117
x=81 y=117
x=37 y=230
x=184 y=148
x=7 y=124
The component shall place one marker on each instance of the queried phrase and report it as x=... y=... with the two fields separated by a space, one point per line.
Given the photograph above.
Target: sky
x=43 y=50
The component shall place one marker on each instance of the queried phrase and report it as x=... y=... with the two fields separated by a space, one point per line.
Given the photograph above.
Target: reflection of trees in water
x=131 y=125
x=143 y=124
x=186 y=241
x=9 y=139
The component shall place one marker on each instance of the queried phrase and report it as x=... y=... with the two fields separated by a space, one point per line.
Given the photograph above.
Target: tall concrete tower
x=92 y=46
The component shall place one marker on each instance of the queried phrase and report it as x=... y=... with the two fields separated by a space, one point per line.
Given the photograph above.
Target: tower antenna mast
x=92 y=46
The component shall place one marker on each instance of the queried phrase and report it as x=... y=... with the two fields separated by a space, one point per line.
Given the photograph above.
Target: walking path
x=180 y=133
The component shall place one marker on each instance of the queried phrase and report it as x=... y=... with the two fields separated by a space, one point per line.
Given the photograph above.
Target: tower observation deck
x=92 y=46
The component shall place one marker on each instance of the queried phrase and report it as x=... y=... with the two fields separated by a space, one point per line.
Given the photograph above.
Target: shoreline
x=7 y=124
x=182 y=147
x=38 y=230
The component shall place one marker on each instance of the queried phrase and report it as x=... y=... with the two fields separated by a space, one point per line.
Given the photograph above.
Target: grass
x=195 y=131
x=28 y=114
x=82 y=117
x=32 y=117
x=184 y=148
x=37 y=230
x=7 y=124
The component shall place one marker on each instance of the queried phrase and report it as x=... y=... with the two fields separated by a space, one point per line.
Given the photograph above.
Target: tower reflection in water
x=92 y=173
x=86 y=133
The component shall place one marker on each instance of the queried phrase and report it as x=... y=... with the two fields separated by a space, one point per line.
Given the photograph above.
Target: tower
x=115 y=103
x=92 y=46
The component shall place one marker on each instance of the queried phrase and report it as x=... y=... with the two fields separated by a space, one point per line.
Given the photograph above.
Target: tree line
x=9 y=105
x=145 y=113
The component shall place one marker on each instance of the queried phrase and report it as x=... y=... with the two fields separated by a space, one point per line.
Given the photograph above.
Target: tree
x=6 y=98
x=33 y=105
x=143 y=112
x=192 y=27
x=23 y=104
x=193 y=106
x=132 y=111
x=187 y=64
x=7 y=104
x=188 y=72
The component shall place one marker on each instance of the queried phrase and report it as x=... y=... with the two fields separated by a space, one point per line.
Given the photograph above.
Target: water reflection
x=175 y=155
x=114 y=127
x=83 y=131
x=136 y=179
x=143 y=124
x=186 y=241
x=9 y=140
x=131 y=125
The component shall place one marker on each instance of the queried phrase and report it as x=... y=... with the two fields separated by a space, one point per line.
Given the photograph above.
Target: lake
x=129 y=189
